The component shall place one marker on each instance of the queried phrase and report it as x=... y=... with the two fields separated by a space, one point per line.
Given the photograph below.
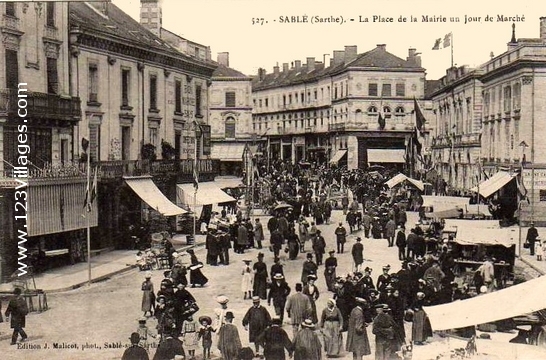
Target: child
x=143 y=332
x=205 y=333
x=190 y=333
x=542 y=250
x=247 y=281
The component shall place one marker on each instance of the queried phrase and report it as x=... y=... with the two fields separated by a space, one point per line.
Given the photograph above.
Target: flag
x=437 y=43
x=447 y=40
x=195 y=176
x=381 y=120
x=442 y=43
x=91 y=193
x=418 y=145
x=419 y=117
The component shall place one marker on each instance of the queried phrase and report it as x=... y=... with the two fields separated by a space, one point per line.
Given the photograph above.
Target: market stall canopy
x=444 y=214
x=145 y=188
x=208 y=193
x=392 y=156
x=478 y=210
x=400 y=178
x=493 y=184
x=451 y=225
x=512 y=301
x=225 y=182
x=338 y=156
x=445 y=202
x=476 y=236
x=228 y=152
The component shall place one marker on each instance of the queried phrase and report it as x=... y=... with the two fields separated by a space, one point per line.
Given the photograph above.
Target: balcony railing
x=41 y=105
x=10 y=22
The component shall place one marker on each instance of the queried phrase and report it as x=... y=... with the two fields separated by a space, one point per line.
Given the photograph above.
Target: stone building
x=330 y=113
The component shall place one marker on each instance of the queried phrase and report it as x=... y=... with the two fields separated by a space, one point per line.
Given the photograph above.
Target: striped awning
x=145 y=188
x=57 y=205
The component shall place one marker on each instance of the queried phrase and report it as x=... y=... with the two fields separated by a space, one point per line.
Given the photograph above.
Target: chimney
x=326 y=60
x=543 y=28
x=285 y=67
x=382 y=47
x=276 y=69
x=350 y=53
x=297 y=65
x=339 y=57
x=261 y=74
x=310 y=64
x=413 y=57
x=411 y=53
x=223 y=58
x=150 y=15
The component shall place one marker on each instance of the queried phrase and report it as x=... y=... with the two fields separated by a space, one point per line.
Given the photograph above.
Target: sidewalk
x=103 y=266
x=531 y=261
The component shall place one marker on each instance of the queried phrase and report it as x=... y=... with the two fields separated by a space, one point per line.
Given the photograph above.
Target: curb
x=109 y=275
x=528 y=263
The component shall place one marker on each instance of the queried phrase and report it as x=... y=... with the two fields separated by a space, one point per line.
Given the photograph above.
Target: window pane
x=12 y=69
x=386 y=90
x=93 y=82
x=125 y=87
x=197 y=100
x=52 y=77
x=178 y=96
x=153 y=92
x=372 y=89
x=400 y=89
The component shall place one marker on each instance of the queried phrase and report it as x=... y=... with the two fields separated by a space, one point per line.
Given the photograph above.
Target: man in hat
x=390 y=230
x=330 y=265
x=357 y=337
x=276 y=268
x=260 y=277
x=276 y=240
x=309 y=267
x=278 y=292
x=384 y=279
x=17 y=309
x=258 y=233
x=357 y=252
x=366 y=223
x=341 y=237
x=135 y=351
x=275 y=340
x=411 y=241
x=242 y=238
x=532 y=235
x=255 y=321
x=384 y=329
x=319 y=246
x=401 y=242
x=229 y=342
x=298 y=308
x=436 y=274
x=307 y=345
x=169 y=347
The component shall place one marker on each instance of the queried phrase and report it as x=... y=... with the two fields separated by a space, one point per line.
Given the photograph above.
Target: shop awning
x=338 y=156
x=145 y=188
x=516 y=300
x=228 y=152
x=386 y=156
x=493 y=184
x=400 y=178
x=207 y=193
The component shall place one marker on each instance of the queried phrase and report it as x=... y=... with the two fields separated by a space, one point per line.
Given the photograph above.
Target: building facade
x=145 y=112
x=230 y=115
x=39 y=111
x=331 y=114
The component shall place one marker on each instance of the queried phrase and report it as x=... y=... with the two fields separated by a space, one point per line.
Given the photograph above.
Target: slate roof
x=119 y=26
x=431 y=86
x=223 y=71
x=376 y=58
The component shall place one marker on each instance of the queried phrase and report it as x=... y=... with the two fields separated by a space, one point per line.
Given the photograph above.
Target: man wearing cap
x=278 y=292
x=357 y=252
x=298 y=308
x=135 y=351
x=275 y=340
x=229 y=342
x=319 y=246
x=384 y=329
x=307 y=345
x=255 y=321
x=532 y=235
x=330 y=265
x=357 y=336
x=341 y=237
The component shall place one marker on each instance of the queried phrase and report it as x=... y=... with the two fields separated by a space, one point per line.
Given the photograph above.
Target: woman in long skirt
x=196 y=276
x=331 y=323
x=421 y=328
x=148 y=295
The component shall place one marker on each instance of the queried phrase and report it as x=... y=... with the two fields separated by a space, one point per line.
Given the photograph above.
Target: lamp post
x=523 y=145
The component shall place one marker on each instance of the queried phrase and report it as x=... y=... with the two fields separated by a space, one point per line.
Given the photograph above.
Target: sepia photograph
x=224 y=179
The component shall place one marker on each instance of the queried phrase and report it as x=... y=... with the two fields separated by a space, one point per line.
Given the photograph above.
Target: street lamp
x=523 y=145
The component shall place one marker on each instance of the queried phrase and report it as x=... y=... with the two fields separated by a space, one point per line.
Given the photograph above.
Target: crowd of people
x=358 y=303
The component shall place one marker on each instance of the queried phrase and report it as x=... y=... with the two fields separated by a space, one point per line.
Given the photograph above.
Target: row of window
x=502 y=97
x=373 y=90
x=182 y=93
x=11 y=10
